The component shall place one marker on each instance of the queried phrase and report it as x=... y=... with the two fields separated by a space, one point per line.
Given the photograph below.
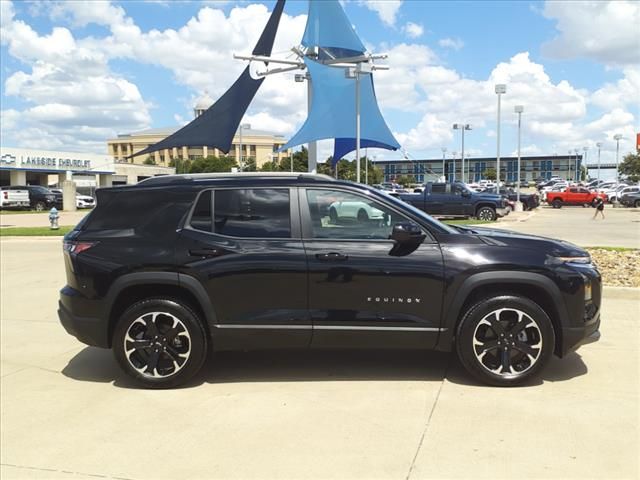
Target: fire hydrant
x=53 y=218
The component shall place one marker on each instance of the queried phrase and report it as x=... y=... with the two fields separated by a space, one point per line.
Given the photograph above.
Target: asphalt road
x=68 y=412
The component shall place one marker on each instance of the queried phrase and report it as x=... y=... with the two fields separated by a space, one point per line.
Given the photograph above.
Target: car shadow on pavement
x=98 y=365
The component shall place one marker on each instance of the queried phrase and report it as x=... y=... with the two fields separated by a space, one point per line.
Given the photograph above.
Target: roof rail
x=193 y=177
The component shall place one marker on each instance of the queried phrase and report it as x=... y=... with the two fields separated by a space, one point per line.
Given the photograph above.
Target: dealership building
x=532 y=167
x=26 y=166
x=248 y=143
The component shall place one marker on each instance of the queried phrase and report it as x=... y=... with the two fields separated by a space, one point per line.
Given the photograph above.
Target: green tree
x=404 y=180
x=629 y=168
x=149 y=161
x=490 y=174
x=208 y=164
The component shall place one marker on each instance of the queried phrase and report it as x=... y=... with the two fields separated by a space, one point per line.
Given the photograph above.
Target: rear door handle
x=331 y=257
x=206 y=252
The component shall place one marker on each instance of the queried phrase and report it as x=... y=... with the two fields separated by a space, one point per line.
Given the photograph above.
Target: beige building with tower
x=256 y=144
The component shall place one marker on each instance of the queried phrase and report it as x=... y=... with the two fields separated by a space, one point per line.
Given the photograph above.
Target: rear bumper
x=80 y=317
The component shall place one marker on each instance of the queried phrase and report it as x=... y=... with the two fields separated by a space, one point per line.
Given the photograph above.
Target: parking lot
x=68 y=411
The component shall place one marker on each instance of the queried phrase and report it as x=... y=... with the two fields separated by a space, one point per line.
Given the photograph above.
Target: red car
x=574 y=196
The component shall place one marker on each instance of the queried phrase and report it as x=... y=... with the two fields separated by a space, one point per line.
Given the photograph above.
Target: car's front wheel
x=486 y=214
x=160 y=343
x=557 y=203
x=505 y=340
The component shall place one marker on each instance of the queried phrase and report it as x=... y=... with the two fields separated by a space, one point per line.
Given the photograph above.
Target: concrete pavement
x=68 y=412
x=621 y=227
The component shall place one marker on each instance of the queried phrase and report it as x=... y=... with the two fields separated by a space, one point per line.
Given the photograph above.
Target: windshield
x=438 y=225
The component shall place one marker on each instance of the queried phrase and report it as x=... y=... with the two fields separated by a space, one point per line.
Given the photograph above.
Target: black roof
x=233 y=178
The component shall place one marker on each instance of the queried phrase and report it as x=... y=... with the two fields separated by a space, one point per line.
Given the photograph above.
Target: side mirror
x=406 y=232
x=466 y=193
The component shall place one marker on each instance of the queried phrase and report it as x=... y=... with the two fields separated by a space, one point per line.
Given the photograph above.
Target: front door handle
x=331 y=257
x=206 y=252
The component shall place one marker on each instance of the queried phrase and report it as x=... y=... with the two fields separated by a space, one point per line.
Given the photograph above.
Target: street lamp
x=242 y=126
x=576 y=151
x=617 y=137
x=585 y=150
x=569 y=166
x=518 y=109
x=356 y=72
x=462 y=127
x=312 y=152
x=444 y=175
x=453 y=157
x=599 y=145
x=500 y=89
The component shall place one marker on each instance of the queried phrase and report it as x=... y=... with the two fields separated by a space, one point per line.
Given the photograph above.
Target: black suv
x=176 y=266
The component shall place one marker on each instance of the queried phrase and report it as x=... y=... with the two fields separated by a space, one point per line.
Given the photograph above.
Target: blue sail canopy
x=333 y=111
x=328 y=27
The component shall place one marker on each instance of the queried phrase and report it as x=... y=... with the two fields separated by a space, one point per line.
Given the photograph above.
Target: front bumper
x=81 y=318
x=575 y=337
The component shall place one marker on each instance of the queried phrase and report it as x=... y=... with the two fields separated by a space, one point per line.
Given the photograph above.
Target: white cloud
x=626 y=91
x=603 y=31
x=452 y=43
x=74 y=100
x=387 y=10
x=413 y=30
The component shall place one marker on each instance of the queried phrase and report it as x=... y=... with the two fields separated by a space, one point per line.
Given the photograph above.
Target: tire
x=636 y=204
x=363 y=216
x=333 y=215
x=557 y=203
x=487 y=214
x=527 y=352
x=164 y=327
x=40 y=207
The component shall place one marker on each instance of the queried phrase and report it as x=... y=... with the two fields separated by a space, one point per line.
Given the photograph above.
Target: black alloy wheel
x=40 y=206
x=161 y=343
x=505 y=340
x=557 y=203
x=486 y=214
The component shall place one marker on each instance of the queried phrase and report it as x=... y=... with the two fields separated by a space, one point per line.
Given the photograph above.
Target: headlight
x=585 y=260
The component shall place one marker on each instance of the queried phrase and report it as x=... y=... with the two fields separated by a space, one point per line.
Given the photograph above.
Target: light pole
x=569 y=165
x=453 y=157
x=312 y=152
x=518 y=109
x=584 y=162
x=617 y=137
x=577 y=152
x=462 y=127
x=242 y=126
x=599 y=145
x=444 y=160
x=500 y=89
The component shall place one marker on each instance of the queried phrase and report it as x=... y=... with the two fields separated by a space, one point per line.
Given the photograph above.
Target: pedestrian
x=598 y=203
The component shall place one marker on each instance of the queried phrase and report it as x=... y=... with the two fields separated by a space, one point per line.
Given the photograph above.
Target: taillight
x=77 y=247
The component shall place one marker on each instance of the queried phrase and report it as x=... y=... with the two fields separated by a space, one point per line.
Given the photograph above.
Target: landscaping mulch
x=619 y=267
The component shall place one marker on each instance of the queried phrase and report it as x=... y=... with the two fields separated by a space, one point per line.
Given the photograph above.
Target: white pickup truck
x=14 y=198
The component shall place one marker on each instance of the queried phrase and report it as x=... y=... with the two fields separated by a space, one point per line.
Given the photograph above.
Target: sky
x=75 y=74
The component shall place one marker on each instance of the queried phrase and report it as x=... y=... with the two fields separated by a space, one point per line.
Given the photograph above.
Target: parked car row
x=558 y=192
x=37 y=197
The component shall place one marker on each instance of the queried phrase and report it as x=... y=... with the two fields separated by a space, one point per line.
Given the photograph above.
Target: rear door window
x=201 y=218
x=252 y=213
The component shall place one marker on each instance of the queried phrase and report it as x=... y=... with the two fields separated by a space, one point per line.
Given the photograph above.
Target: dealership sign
x=52 y=161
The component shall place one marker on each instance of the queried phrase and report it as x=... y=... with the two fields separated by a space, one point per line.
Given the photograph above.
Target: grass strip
x=34 y=231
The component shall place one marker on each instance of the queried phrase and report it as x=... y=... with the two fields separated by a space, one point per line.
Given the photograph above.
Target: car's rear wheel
x=557 y=203
x=40 y=206
x=487 y=214
x=505 y=340
x=160 y=343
